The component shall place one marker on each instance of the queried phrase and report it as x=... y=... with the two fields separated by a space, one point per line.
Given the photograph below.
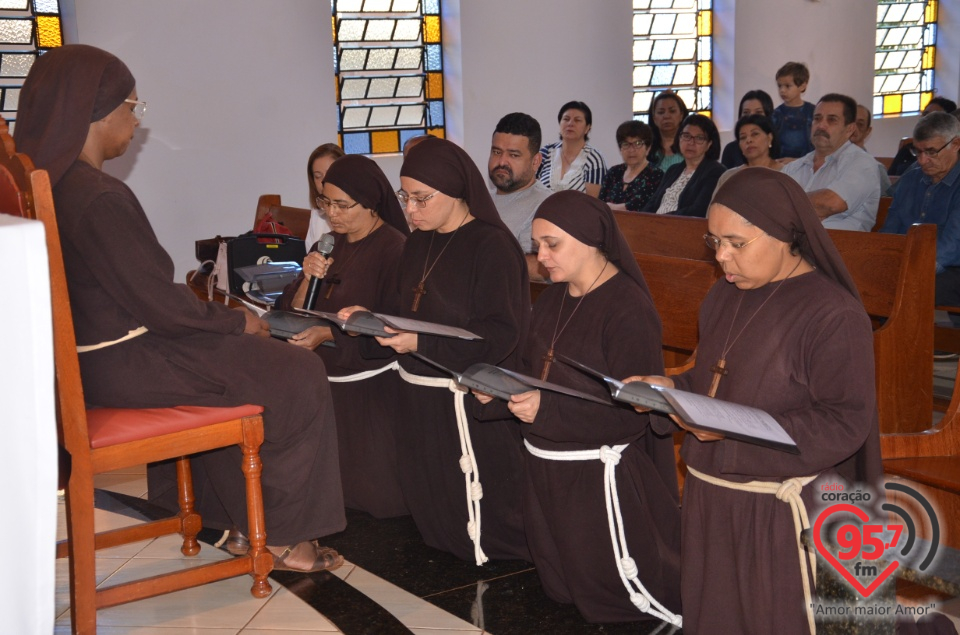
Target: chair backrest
x=296 y=219
x=25 y=192
x=882 y=208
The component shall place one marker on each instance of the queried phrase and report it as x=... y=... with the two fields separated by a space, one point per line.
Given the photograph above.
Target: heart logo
x=865 y=591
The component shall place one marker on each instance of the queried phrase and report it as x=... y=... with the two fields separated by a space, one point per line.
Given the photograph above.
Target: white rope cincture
x=789 y=492
x=468 y=460
x=626 y=566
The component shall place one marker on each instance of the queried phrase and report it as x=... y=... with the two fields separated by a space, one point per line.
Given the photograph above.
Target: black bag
x=252 y=249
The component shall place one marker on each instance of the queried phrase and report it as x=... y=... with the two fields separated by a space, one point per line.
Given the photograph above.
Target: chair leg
x=190 y=522
x=82 y=552
x=252 y=467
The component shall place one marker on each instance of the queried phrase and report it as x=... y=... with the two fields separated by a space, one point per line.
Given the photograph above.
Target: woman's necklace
x=334 y=277
x=720 y=368
x=629 y=175
x=558 y=331
x=420 y=290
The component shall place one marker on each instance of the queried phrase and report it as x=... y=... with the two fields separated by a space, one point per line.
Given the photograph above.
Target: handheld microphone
x=325 y=248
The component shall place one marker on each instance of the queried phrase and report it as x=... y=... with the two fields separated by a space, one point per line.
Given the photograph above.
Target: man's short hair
x=948 y=105
x=521 y=124
x=849 y=106
x=937 y=124
x=796 y=70
x=636 y=129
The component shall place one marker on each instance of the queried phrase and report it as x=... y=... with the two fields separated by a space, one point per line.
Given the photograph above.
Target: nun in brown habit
x=599 y=312
x=152 y=342
x=462 y=267
x=785 y=332
x=370 y=230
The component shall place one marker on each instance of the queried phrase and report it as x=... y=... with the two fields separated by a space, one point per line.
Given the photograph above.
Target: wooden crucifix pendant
x=719 y=370
x=330 y=282
x=547 y=362
x=419 y=291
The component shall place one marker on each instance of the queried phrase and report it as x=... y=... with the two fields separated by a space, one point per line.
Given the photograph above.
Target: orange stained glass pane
x=385 y=141
x=705 y=23
x=925 y=99
x=892 y=104
x=929 y=57
x=333 y=25
x=435 y=85
x=704 y=73
x=431 y=29
x=437 y=132
x=48 y=32
x=336 y=88
x=340 y=139
x=930 y=15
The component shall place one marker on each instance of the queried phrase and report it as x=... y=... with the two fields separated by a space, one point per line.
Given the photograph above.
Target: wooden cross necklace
x=335 y=276
x=549 y=357
x=420 y=290
x=720 y=368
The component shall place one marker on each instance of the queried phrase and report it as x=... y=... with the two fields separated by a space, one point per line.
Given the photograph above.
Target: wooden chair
x=104 y=439
x=296 y=219
x=882 y=208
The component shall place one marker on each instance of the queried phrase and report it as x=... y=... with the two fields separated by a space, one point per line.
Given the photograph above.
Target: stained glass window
x=389 y=71
x=905 y=56
x=27 y=29
x=673 y=49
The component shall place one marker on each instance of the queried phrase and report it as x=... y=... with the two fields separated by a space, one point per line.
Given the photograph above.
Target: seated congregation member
x=758 y=145
x=461 y=266
x=753 y=102
x=930 y=193
x=147 y=342
x=904 y=159
x=317 y=165
x=840 y=178
x=571 y=163
x=783 y=331
x=859 y=138
x=629 y=185
x=370 y=228
x=687 y=186
x=667 y=112
x=598 y=312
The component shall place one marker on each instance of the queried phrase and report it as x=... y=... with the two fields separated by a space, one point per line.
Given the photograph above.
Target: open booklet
x=370 y=323
x=503 y=383
x=731 y=420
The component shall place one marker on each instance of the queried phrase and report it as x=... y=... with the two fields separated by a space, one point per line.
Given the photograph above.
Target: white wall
x=240 y=91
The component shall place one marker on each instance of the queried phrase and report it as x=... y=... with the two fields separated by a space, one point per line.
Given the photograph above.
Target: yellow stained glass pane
x=929 y=57
x=48 y=31
x=340 y=139
x=431 y=29
x=336 y=88
x=385 y=141
x=437 y=132
x=931 y=13
x=892 y=104
x=705 y=23
x=704 y=73
x=925 y=99
x=435 y=85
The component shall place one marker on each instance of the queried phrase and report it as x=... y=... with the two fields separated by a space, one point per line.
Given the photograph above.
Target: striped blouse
x=591 y=164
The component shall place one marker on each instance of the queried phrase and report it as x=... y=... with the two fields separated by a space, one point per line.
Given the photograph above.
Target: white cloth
x=671 y=197
x=318 y=227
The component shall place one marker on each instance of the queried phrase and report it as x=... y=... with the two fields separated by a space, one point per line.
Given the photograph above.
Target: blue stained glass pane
x=356 y=143
x=46 y=6
x=705 y=50
x=431 y=7
x=706 y=98
x=930 y=34
x=406 y=135
x=434 y=58
x=436 y=113
x=705 y=4
x=662 y=75
x=927 y=80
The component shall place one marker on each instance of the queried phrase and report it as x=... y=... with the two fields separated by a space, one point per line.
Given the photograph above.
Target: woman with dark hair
x=317 y=165
x=370 y=229
x=686 y=187
x=572 y=164
x=758 y=143
x=599 y=312
x=461 y=266
x=754 y=102
x=628 y=185
x=666 y=113
x=148 y=342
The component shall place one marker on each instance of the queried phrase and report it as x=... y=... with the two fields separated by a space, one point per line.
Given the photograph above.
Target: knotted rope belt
x=789 y=492
x=137 y=332
x=626 y=566
x=468 y=460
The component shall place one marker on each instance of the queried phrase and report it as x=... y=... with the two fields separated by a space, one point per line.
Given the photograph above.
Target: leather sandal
x=325 y=558
x=237 y=543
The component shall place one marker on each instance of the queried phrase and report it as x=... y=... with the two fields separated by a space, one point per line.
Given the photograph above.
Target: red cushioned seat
x=110 y=426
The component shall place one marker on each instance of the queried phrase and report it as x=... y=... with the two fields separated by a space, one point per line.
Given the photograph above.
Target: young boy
x=793 y=118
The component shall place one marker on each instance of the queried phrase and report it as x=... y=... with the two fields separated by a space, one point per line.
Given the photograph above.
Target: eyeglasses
x=139 y=108
x=419 y=201
x=632 y=144
x=929 y=152
x=697 y=139
x=715 y=243
x=325 y=204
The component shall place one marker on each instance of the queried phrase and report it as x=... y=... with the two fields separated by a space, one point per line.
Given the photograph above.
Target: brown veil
x=365 y=182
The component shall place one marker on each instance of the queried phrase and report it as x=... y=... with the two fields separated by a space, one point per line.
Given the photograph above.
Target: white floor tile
x=259 y=631
x=287 y=612
x=105 y=568
x=62 y=627
x=168 y=547
x=129 y=484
